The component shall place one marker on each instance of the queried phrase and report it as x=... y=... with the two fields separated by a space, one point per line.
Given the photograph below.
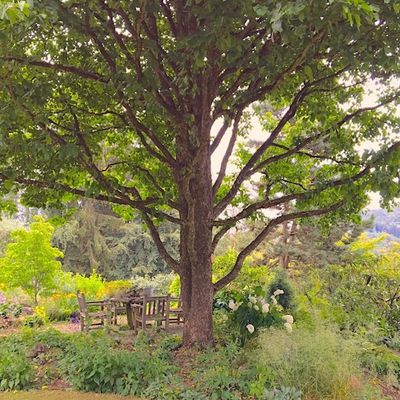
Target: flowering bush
x=251 y=312
x=38 y=318
x=281 y=282
x=60 y=306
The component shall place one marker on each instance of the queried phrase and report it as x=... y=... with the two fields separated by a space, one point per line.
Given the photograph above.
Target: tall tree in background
x=97 y=239
x=117 y=101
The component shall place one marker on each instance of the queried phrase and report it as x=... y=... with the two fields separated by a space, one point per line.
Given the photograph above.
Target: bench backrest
x=81 y=302
x=154 y=306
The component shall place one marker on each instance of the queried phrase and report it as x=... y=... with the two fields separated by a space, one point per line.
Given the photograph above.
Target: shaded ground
x=61 y=395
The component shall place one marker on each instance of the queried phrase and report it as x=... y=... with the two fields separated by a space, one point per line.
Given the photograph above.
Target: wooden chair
x=86 y=317
x=150 y=311
x=176 y=311
x=118 y=308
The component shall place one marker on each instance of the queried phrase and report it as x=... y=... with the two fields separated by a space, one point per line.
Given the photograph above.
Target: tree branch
x=218 y=137
x=59 y=67
x=234 y=272
x=227 y=154
x=244 y=173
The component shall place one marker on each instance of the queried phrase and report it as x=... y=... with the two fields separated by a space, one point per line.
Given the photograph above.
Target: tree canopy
x=126 y=101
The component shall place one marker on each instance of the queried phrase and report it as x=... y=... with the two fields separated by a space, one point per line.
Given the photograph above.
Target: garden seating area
x=140 y=311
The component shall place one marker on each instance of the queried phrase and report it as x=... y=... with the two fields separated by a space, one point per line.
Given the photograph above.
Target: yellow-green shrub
x=320 y=363
x=115 y=288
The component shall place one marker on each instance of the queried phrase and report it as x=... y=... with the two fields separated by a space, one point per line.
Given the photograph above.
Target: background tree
x=30 y=262
x=127 y=101
x=95 y=238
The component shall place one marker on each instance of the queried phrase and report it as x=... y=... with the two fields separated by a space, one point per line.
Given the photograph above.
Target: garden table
x=150 y=306
x=128 y=303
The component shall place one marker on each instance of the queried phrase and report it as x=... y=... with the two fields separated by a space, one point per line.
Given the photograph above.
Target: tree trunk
x=197 y=296
x=196 y=201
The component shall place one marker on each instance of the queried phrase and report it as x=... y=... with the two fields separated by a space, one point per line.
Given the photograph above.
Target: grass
x=61 y=395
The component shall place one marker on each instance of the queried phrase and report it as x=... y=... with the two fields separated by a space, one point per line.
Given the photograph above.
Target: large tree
x=126 y=101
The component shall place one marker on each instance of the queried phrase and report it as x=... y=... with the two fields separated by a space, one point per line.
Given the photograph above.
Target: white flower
x=288 y=327
x=265 y=308
x=232 y=305
x=278 y=292
x=256 y=307
x=250 y=328
x=253 y=299
x=288 y=318
x=274 y=301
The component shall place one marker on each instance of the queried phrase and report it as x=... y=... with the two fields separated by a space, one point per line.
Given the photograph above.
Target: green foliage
x=360 y=296
x=60 y=306
x=39 y=318
x=282 y=394
x=95 y=238
x=90 y=110
x=249 y=312
x=14 y=11
x=8 y=310
x=15 y=371
x=225 y=380
x=30 y=262
x=319 y=362
x=380 y=362
x=161 y=283
x=281 y=281
x=250 y=276
x=101 y=369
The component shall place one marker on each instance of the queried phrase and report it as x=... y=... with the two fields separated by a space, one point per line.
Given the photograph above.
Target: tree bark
x=196 y=202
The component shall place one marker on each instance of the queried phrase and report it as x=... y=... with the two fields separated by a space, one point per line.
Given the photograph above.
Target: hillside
x=385 y=221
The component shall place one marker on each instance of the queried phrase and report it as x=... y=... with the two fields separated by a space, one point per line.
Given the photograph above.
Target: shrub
x=39 y=318
x=92 y=286
x=225 y=380
x=320 y=363
x=60 y=306
x=249 y=312
x=160 y=282
x=282 y=394
x=98 y=368
x=115 y=288
x=15 y=371
x=380 y=362
x=10 y=310
x=281 y=281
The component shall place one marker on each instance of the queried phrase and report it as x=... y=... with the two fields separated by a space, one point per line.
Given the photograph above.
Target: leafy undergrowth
x=309 y=364
x=61 y=395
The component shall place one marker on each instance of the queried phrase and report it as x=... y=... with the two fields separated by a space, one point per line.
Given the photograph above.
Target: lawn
x=61 y=395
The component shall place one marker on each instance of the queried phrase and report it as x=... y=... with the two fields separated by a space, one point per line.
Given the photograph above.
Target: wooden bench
x=151 y=311
x=176 y=310
x=88 y=318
